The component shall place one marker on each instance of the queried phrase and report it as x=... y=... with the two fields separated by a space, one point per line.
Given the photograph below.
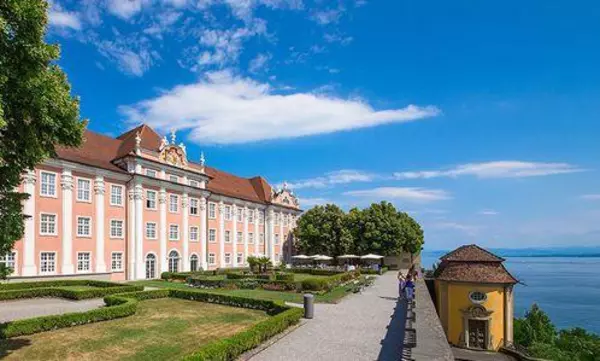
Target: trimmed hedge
x=315 y=271
x=284 y=277
x=53 y=289
x=245 y=283
x=240 y=276
x=327 y=283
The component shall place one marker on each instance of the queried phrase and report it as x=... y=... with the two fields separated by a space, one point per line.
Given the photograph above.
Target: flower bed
x=55 y=289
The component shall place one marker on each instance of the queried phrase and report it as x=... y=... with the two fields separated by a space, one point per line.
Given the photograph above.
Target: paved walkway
x=34 y=307
x=367 y=326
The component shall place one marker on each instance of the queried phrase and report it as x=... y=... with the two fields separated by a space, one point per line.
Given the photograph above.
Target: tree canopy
x=379 y=229
x=37 y=111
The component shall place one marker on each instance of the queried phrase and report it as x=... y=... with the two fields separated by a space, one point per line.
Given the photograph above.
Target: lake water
x=566 y=288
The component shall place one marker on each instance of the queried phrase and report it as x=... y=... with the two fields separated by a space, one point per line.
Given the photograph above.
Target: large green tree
x=37 y=111
x=322 y=230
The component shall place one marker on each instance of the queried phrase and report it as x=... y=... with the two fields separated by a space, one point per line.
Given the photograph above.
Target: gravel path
x=355 y=329
x=34 y=307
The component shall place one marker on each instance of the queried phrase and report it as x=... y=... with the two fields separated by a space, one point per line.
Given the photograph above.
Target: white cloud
x=591 y=197
x=125 y=9
x=409 y=194
x=260 y=62
x=223 y=109
x=497 y=169
x=311 y=202
x=337 y=38
x=164 y=23
x=129 y=59
x=325 y=17
x=466 y=228
x=343 y=176
x=488 y=212
x=59 y=18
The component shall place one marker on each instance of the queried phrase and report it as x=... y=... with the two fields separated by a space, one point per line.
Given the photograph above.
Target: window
x=173 y=203
x=277 y=217
x=116 y=228
x=238 y=239
x=193 y=263
x=240 y=258
x=251 y=217
x=239 y=215
x=251 y=238
x=84 y=227
x=83 y=262
x=83 y=190
x=150 y=199
x=150 y=266
x=276 y=238
x=116 y=195
x=211 y=259
x=116 y=261
x=227 y=258
x=194 y=234
x=212 y=235
x=47 y=262
x=10 y=261
x=194 y=206
x=173 y=232
x=48 y=184
x=173 y=261
x=47 y=224
x=227 y=237
x=151 y=173
x=151 y=230
x=261 y=217
x=212 y=210
x=194 y=183
x=174 y=178
x=228 y=213
x=477 y=297
x=262 y=238
x=285 y=220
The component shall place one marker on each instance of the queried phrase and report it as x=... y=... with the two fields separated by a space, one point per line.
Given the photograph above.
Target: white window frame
x=251 y=237
x=173 y=178
x=276 y=241
x=55 y=233
x=176 y=197
x=155 y=230
x=251 y=217
x=112 y=261
x=227 y=213
x=15 y=265
x=227 y=236
x=212 y=210
x=151 y=173
x=194 y=204
x=53 y=263
x=197 y=262
x=226 y=256
x=194 y=183
x=148 y=198
x=239 y=238
x=212 y=231
x=89 y=190
x=240 y=258
x=212 y=259
x=261 y=240
x=80 y=235
x=197 y=233
x=53 y=194
x=122 y=229
x=239 y=216
x=178 y=232
x=89 y=263
x=120 y=195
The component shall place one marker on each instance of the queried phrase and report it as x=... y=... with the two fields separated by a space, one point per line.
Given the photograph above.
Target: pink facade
x=138 y=208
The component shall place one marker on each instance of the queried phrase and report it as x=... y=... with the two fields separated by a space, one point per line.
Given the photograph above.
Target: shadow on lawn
x=392 y=346
x=9 y=345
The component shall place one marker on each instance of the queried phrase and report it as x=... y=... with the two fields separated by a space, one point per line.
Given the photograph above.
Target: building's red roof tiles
x=471 y=253
x=472 y=263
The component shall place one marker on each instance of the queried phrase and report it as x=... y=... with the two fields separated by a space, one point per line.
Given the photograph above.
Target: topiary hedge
x=327 y=283
x=53 y=289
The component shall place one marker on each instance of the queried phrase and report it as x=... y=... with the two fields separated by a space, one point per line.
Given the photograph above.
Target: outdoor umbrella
x=371 y=256
x=347 y=256
x=322 y=258
x=301 y=256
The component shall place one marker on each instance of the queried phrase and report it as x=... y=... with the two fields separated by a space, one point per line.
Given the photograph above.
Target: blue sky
x=480 y=119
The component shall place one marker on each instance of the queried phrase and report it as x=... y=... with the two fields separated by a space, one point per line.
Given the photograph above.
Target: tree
x=322 y=230
x=5 y=271
x=535 y=327
x=37 y=111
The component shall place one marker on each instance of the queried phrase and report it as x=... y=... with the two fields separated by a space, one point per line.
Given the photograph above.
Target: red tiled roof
x=96 y=150
x=233 y=186
x=471 y=253
x=482 y=272
x=150 y=140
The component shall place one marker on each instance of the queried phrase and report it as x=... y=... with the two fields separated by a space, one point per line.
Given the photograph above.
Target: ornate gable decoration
x=285 y=197
x=172 y=153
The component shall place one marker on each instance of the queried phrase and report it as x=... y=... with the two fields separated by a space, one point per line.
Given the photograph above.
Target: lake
x=566 y=288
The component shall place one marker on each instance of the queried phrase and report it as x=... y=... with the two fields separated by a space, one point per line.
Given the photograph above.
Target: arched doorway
x=193 y=263
x=173 y=261
x=150 y=266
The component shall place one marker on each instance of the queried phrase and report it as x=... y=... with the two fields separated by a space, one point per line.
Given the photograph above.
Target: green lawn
x=161 y=329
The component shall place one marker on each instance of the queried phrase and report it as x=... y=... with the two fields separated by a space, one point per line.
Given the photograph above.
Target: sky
x=480 y=119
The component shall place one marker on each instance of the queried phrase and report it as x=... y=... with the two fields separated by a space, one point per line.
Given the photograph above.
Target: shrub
x=53 y=289
x=284 y=277
x=315 y=271
x=315 y=284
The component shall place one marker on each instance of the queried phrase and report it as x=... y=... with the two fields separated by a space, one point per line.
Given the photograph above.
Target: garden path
x=35 y=307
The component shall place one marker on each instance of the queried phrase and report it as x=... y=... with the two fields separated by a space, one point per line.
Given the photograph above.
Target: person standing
x=401 y=284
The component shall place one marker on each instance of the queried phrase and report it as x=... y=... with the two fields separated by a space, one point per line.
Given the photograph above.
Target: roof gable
x=471 y=253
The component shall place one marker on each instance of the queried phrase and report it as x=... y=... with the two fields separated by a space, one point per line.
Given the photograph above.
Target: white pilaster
x=245 y=214
x=281 y=238
x=185 y=233
x=29 y=267
x=221 y=235
x=235 y=240
x=203 y=232
x=99 y=223
x=271 y=234
x=162 y=229
x=139 y=239
x=66 y=184
x=256 y=231
x=131 y=234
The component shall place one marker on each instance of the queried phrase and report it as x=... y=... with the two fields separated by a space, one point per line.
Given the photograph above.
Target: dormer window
x=194 y=183
x=174 y=178
x=151 y=173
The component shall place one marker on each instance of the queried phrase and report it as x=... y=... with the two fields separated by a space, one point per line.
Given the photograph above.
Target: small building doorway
x=478 y=334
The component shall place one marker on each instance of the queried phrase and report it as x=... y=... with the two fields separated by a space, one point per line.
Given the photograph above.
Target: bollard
x=309 y=307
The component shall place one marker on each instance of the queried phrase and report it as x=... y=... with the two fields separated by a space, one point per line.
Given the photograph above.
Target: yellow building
x=474 y=294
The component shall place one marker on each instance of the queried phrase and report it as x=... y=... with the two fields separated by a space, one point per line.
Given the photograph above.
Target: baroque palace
x=135 y=206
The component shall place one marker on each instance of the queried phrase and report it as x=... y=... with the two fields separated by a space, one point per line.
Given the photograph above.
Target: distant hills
x=534 y=252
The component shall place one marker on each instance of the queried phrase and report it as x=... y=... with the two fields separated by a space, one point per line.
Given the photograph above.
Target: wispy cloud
x=311 y=202
x=324 y=17
x=343 y=176
x=223 y=109
x=126 y=9
x=496 y=169
x=488 y=212
x=591 y=197
x=259 y=63
x=465 y=228
x=59 y=18
x=409 y=194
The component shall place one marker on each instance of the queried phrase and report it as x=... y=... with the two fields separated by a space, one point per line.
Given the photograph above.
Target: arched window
x=173 y=261
x=193 y=263
x=150 y=266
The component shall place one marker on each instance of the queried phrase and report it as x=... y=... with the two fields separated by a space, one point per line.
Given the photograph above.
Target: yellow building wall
x=458 y=299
